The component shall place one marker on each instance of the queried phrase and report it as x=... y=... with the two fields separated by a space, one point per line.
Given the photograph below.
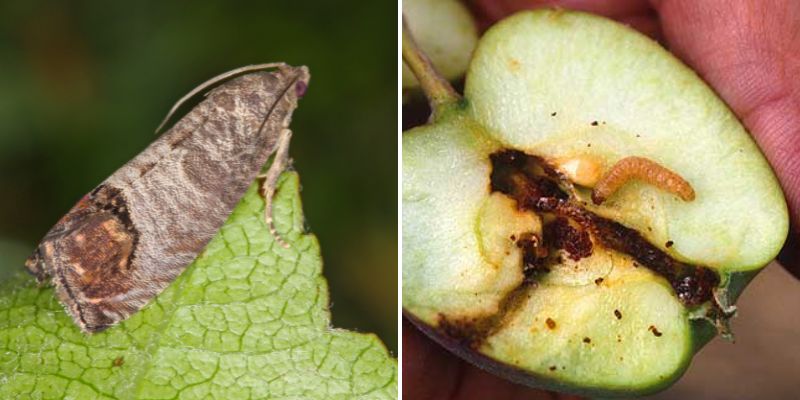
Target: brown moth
x=131 y=236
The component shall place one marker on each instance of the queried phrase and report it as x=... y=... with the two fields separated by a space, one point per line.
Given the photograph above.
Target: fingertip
x=429 y=371
x=638 y=14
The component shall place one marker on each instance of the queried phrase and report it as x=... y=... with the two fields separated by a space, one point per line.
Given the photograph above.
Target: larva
x=645 y=170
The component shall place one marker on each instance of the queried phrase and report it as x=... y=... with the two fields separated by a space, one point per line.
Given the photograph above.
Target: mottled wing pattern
x=129 y=238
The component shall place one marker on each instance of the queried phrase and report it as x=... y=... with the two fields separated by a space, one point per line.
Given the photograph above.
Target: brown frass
x=575 y=242
x=538 y=187
x=598 y=281
x=655 y=331
x=533 y=256
x=473 y=331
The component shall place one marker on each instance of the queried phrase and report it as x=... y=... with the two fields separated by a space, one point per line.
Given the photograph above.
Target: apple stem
x=438 y=90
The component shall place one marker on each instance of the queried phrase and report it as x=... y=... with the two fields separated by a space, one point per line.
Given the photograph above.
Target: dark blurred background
x=83 y=84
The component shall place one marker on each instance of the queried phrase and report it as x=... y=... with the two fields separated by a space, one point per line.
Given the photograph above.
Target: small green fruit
x=446 y=32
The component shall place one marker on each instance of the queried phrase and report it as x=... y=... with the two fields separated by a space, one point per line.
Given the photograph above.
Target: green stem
x=438 y=90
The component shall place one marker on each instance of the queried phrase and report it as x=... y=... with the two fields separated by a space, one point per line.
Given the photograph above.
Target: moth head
x=35 y=265
x=301 y=83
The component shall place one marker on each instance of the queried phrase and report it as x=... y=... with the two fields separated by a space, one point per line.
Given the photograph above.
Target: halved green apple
x=506 y=260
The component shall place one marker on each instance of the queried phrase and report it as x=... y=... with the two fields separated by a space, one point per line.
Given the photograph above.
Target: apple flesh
x=486 y=271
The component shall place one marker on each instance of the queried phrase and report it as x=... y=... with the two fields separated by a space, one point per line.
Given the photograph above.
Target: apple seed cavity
x=575 y=229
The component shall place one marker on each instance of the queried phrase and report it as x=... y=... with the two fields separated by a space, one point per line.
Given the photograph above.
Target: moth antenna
x=213 y=81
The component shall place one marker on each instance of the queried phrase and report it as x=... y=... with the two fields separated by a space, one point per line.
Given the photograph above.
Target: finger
x=477 y=384
x=431 y=372
x=637 y=13
x=644 y=23
x=749 y=51
x=498 y=9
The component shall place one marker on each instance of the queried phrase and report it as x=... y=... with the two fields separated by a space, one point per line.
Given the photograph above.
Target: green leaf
x=248 y=319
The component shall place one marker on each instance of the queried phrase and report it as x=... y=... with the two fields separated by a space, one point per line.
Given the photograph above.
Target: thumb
x=749 y=51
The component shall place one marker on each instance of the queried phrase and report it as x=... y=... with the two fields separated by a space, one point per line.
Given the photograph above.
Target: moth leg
x=279 y=164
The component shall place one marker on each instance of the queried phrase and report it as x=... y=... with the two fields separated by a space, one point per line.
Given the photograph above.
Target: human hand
x=431 y=373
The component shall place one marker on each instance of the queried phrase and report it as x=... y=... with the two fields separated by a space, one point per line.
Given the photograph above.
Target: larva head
x=559 y=105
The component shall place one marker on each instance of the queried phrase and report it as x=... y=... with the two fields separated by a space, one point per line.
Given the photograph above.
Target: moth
x=131 y=236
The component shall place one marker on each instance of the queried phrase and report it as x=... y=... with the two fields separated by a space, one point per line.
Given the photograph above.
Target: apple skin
x=484 y=130
x=703 y=332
